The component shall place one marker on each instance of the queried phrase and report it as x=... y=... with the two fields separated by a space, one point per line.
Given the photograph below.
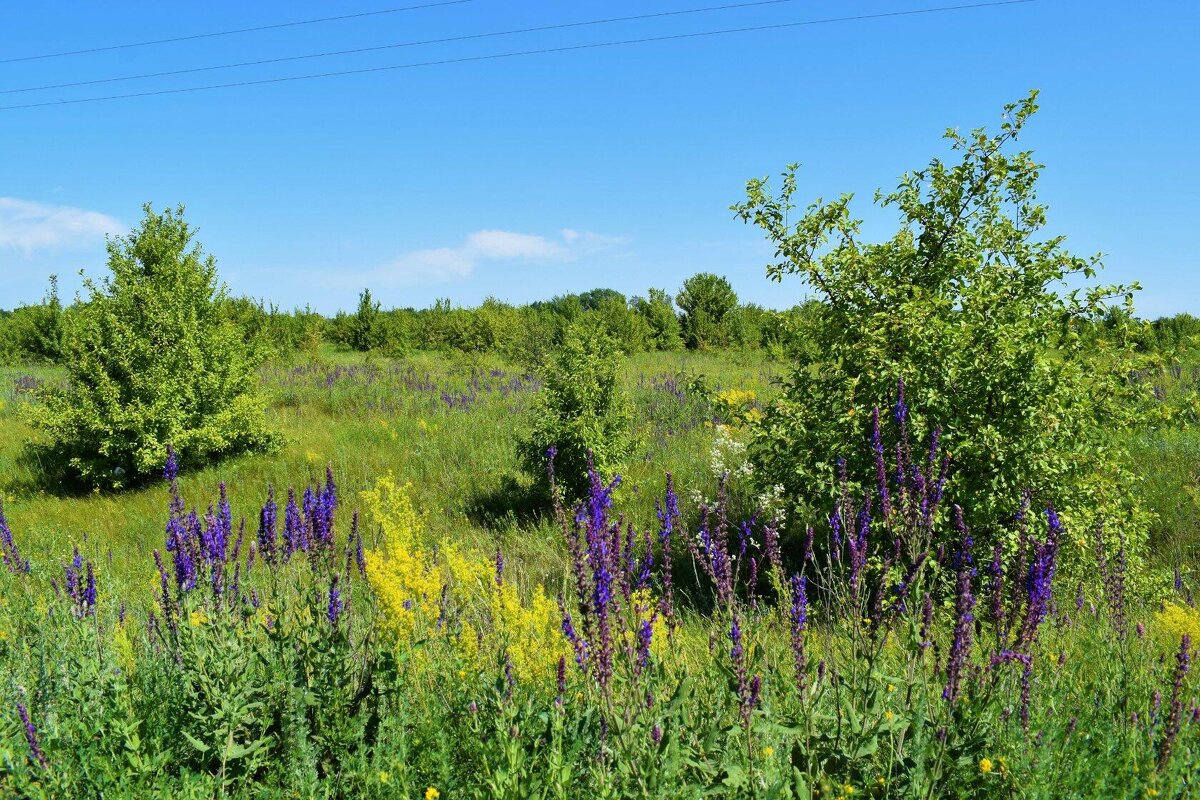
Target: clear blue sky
x=534 y=176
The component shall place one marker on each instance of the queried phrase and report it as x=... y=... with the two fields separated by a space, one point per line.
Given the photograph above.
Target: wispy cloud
x=445 y=264
x=28 y=225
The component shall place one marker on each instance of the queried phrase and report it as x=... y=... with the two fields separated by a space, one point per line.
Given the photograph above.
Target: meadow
x=420 y=625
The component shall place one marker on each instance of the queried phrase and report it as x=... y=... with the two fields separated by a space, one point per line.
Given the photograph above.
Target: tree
x=366 y=330
x=659 y=313
x=152 y=361
x=708 y=303
x=970 y=308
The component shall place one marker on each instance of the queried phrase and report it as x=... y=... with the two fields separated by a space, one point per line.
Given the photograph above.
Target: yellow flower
x=890 y=715
x=385 y=777
x=462 y=673
x=985 y=765
x=768 y=751
x=891 y=687
x=197 y=618
x=432 y=794
x=1152 y=792
x=847 y=790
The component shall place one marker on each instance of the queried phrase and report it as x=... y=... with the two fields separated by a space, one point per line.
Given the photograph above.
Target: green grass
x=462 y=463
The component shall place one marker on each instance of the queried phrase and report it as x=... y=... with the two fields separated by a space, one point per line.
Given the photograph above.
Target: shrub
x=582 y=411
x=966 y=304
x=152 y=360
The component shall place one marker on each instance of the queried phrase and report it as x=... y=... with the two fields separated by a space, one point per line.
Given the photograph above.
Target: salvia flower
x=8 y=547
x=31 y=736
x=336 y=605
x=799 y=621
x=1175 y=713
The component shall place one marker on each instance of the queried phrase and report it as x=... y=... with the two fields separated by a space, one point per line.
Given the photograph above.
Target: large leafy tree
x=153 y=359
x=974 y=308
x=708 y=303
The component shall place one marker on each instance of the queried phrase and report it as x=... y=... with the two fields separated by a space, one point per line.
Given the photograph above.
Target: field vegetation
x=933 y=533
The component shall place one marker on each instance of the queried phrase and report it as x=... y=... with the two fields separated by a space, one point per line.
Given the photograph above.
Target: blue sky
x=528 y=177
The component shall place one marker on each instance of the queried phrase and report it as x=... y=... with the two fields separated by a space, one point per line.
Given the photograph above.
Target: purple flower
x=645 y=634
x=1039 y=582
x=336 y=605
x=799 y=621
x=8 y=547
x=1175 y=714
x=171 y=468
x=31 y=736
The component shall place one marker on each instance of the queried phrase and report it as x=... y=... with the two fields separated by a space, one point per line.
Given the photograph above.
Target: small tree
x=581 y=409
x=152 y=360
x=366 y=329
x=970 y=308
x=659 y=313
x=708 y=303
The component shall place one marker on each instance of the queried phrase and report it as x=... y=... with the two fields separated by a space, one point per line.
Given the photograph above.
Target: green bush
x=152 y=359
x=968 y=305
x=580 y=410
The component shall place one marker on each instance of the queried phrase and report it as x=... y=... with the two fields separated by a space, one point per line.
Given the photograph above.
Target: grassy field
x=576 y=662
x=447 y=424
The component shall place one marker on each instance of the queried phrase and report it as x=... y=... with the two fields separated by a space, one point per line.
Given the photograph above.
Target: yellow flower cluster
x=1174 y=620
x=407 y=583
x=403 y=577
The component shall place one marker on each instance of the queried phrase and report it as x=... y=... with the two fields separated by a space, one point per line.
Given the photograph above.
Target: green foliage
x=972 y=310
x=708 y=303
x=581 y=409
x=366 y=332
x=658 y=311
x=33 y=333
x=152 y=359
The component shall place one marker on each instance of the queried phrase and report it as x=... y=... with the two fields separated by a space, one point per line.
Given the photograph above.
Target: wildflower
x=31 y=736
x=985 y=765
x=799 y=619
x=266 y=527
x=432 y=794
x=768 y=752
x=385 y=777
x=197 y=618
x=336 y=605
x=171 y=467
x=1171 y=728
x=8 y=548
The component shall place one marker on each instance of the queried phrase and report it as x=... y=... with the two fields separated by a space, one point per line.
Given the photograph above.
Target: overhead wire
x=214 y=34
x=417 y=43
x=522 y=53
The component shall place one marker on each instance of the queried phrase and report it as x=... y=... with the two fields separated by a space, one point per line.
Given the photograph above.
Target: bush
x=152 y=359
x=967 y=305
x=582 y=411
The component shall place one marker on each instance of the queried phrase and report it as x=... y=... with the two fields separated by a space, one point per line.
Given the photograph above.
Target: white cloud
x=27 y=225
x=444 y=264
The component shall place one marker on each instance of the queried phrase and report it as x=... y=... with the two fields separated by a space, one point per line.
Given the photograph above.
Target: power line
x=519 y=53
x=357 y=50
x=214 y=34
